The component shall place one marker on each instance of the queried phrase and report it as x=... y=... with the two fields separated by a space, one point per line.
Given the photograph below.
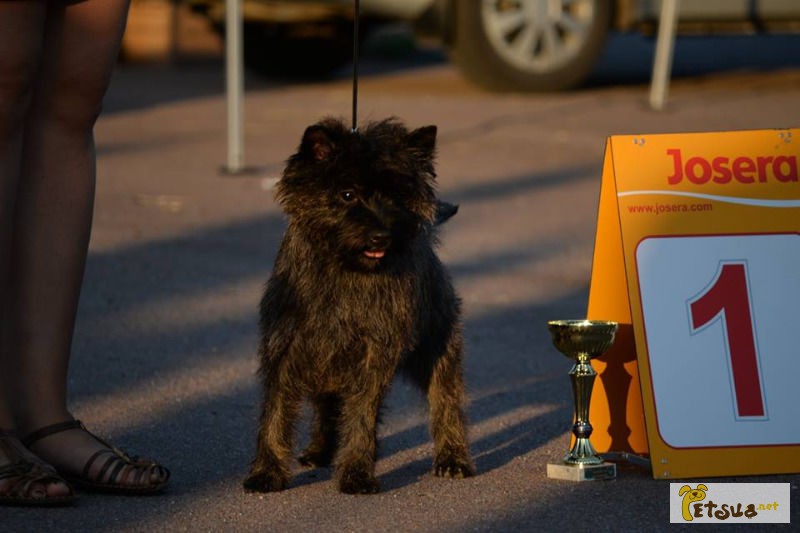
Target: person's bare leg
x=52 y=225
x=21 y=36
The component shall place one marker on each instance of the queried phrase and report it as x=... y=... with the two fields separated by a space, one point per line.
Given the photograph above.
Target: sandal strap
x=20 y=468
x=113 y=476
x=52 y=429
x=115 y=463
x=17 y=465
x=91 y=461
x=23 y=475
x=27 y=474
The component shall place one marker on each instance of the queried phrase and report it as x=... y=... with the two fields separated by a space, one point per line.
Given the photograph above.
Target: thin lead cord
x=355 y=66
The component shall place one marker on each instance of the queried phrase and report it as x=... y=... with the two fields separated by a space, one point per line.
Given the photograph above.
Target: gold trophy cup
x=582 y=341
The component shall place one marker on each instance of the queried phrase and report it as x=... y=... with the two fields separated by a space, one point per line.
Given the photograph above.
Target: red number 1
x=729 y=297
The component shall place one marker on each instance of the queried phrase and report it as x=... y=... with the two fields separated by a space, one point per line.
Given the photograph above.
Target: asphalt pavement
x=164 y=352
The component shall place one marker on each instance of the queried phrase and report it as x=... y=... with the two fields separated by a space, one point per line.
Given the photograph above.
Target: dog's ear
x=424 y=140
x=444 y=212
x=701 y=487
x=317 y=143
x=684 y=490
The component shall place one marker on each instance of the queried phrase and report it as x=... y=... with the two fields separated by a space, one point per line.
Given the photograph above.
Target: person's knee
x=75 y=104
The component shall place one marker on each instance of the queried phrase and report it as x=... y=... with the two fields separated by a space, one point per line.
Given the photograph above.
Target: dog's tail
x=444 y=212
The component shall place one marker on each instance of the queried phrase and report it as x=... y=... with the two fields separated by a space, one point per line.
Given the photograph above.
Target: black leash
x=355 y=65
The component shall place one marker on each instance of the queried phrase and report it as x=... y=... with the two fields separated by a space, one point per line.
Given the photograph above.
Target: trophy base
x=599 y=472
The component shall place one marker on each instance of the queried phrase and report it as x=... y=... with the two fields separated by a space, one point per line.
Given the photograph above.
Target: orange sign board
x=696 y=256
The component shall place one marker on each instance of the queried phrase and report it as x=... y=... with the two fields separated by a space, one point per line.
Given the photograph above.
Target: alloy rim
x=537 y=35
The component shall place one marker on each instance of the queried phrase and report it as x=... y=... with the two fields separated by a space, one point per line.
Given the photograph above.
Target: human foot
x=25 y=479
x=89 y=462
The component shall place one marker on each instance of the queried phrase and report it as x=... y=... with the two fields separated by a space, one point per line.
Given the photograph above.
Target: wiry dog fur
x=357 y=293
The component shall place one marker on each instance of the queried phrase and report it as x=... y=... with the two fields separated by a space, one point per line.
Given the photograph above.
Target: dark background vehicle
x=519 y=45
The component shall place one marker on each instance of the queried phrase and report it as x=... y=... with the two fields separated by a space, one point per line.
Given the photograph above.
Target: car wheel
x=529 y=45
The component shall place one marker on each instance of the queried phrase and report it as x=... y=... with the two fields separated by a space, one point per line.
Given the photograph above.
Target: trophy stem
x=582 y=377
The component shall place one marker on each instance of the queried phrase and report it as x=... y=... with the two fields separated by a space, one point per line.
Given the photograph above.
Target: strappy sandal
x=113 y=476
x=29 y=476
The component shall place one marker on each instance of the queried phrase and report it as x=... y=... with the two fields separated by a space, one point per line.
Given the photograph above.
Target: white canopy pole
x=234 y=79
x=662 y=63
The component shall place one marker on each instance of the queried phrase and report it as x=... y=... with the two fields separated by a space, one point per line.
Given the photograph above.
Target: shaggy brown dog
x=357 y=293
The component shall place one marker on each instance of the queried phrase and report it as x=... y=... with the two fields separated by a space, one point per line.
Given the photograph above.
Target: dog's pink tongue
x=374 y=255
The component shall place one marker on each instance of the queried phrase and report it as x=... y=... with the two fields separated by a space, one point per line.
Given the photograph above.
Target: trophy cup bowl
x=582 y=341
x=587 y=338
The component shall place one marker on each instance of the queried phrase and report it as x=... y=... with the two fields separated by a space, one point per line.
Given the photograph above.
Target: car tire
x=523 y=45
x=292 y=52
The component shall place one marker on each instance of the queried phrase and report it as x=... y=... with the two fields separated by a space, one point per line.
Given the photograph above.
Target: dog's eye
x=348 y=195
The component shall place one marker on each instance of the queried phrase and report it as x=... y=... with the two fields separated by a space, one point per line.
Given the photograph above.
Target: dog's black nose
x=379 y=239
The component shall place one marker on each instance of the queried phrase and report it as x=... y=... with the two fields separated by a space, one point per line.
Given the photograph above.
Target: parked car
x=521 y=45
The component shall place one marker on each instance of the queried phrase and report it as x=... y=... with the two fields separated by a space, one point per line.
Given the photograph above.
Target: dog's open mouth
x=374 y=254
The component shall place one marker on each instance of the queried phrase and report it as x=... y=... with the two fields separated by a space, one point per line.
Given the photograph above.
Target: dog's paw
x=453 y=467
x=265 y=481
x=315 y=458
x=357 y=481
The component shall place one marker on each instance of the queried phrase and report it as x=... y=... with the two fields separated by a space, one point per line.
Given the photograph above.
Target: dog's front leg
x=325 y=431
x=446 y=398
x=270 y=469
x=358 y=441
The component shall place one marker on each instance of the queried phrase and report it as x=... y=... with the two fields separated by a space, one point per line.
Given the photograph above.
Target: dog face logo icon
x=691 y=496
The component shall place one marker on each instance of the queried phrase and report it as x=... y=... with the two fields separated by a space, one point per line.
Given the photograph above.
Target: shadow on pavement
x=207 y=439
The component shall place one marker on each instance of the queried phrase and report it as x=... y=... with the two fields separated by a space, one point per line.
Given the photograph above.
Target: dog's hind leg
x=270 y=468
x=324 y=431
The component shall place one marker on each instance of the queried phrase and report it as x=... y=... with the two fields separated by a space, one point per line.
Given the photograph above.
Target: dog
x=691 y=496
x=357 y=294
